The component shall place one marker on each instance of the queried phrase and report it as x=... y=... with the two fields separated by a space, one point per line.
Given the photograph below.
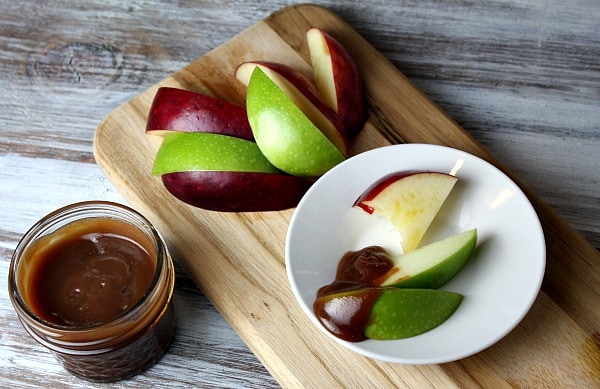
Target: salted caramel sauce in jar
x=93 y=282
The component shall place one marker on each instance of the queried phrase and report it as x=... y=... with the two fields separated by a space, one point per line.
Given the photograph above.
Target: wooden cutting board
x=238 y=259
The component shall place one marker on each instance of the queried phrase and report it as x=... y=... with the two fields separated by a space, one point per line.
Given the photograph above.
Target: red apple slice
x=338 y=79
x=186 y=111
x=305 y=96
x=410 y=200
x=236 y=191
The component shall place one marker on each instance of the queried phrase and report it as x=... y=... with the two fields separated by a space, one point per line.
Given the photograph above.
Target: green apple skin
x=224 y=173
x=236 y=191
x=181 y=110
x=404 y=313
x=188 y=151
x=304 y=94
x=287 y=138
x=432 y=266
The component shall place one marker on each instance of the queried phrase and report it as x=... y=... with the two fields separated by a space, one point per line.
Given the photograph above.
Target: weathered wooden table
x=523 y=79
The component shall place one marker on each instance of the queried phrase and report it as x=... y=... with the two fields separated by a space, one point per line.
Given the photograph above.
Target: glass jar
x=93 y=282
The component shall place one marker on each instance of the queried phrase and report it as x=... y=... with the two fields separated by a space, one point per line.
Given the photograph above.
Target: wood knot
x=82 y=66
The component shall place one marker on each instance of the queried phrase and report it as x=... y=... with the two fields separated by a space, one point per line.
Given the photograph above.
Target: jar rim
x=104 y=209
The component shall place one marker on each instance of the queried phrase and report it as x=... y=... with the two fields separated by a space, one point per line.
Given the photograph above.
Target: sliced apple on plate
x=431 y=266
x=224 y=173
x=179 y=110
x=409 y=200
x=404 y=313
x=338 y=79
x=384 y=313
x=285 y=133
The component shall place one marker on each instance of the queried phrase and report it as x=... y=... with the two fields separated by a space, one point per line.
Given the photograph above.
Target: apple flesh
x=338 y=80
x=431 y=266
x=404 y=313
x=228 y=191
x=300 y=90
x=181 y=110
x=410 y=200
x=284 y=133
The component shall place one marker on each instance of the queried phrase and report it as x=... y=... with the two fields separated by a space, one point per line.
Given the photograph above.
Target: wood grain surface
x=521 y=77
x=237 y=259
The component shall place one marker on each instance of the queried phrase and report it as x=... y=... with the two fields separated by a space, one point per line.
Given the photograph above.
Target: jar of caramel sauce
x=93 y=282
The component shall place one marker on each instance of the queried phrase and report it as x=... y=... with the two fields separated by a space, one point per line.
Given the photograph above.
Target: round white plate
x=499 y=283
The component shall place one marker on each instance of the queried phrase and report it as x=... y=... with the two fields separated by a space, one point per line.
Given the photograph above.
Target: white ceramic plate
x=499 y=284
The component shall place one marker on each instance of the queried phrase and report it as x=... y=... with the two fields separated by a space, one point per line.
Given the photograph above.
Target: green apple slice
x=431 y=266
x=404 y=313
x=284 y=134
x=185 y=151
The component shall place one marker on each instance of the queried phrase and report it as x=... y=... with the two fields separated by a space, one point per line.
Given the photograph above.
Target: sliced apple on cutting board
x=236 y=191
x=409 y=200
x=180 y=110
x=224 y=173
x=302 y=91
x=206 y=151
x=285 y=133
x=338 y=80
x=431 y=266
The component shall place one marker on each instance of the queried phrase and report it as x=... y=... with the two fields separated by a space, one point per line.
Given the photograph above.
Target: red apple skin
x=378 y=186
x=236 y=191
x=349 y=86
x=176 y=109
x=303 y=84
x=182 y=110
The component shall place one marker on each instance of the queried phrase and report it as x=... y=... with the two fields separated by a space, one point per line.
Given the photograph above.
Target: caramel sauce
x=93 y=282
x=344 y=306
x=89 y=274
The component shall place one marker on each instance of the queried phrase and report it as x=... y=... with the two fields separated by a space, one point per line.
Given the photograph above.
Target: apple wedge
x=184 y=151
x=338 y=80
x=431 y=266
x=287 y=137
x=404 y=313
x=384 y=313
x=179 y=110
x=410 y=200
x=224 y=173
x=301 y=90
x=228 y=191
